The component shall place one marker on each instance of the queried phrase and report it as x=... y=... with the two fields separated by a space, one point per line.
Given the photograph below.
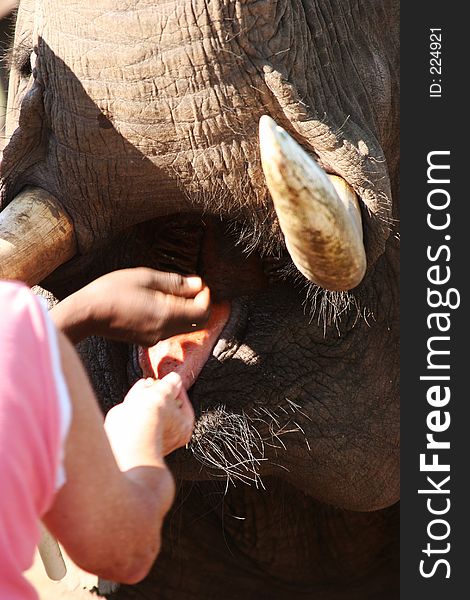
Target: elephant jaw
x=228 y=272
x=187 y=353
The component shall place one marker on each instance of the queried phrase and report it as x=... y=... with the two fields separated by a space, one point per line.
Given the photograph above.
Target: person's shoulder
x=8 y=287
x=13 y=294
x=18 y=305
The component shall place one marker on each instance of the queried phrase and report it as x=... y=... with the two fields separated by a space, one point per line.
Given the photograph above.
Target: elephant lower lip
x=187 y=353
x=189 y=244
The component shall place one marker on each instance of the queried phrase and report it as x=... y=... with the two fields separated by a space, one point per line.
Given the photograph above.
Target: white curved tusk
x=319 y=214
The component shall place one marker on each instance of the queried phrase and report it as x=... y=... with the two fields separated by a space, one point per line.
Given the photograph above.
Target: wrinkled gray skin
x=139 y=112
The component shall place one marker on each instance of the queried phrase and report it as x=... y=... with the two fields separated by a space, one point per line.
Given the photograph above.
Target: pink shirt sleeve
x=34 y=418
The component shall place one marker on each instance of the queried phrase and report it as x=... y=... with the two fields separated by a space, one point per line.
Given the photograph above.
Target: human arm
x=134 y=305
x=109 y=513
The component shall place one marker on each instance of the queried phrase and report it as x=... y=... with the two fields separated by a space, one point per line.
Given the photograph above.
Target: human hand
x=134 y=305
x=155 y=419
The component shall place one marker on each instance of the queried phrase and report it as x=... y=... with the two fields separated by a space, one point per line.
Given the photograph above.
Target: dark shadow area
x=67 y=145
x=7 y=25
x=213 y=541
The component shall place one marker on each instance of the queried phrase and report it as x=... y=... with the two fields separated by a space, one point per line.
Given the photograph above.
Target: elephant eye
x=22 y=58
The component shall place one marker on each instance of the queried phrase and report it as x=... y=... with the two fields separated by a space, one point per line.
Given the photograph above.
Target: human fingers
x=180 y=421
x=180 y=315
x=175 y=411
x=168 y=388
x=161 y=390
x=184 y=404
x=158 y=410
x=185 y=286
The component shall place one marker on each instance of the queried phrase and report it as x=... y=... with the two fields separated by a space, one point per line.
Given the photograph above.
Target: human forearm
x=73 y=317
x=108 y=515
x=138 y=305
x=119 y=542
x=110 y=511
x=130 y=537
x=150 y=493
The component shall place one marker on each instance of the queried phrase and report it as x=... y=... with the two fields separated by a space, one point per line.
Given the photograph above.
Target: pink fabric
x=30 y=434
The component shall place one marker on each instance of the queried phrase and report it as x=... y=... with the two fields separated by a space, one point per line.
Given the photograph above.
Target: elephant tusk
x=36 y=236
x=318 y=213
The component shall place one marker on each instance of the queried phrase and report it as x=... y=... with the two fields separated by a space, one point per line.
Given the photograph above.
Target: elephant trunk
x=36 y=236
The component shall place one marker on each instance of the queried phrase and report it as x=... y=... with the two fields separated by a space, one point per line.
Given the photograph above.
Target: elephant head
x=254 y=143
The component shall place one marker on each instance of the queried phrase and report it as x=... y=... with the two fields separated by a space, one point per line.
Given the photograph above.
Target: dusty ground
x=72 y=587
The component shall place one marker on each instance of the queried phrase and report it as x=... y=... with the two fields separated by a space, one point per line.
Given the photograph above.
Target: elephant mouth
x=320 y=217
x=187 y=353
x=210 y=249
x=318 y=214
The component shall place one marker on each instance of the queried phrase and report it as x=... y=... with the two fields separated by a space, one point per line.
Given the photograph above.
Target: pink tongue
x=186 y=353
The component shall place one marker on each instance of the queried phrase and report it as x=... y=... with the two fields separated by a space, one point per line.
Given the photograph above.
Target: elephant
x=256 y=144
